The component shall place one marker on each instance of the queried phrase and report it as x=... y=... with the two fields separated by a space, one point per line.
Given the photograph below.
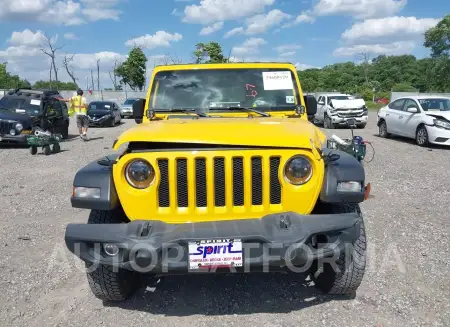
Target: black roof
x=32 y=93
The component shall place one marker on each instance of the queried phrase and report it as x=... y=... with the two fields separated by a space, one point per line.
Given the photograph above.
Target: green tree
x=209 y=53
x=437 y=38
x=132 y=71
x=53 y=85
x=8 y=81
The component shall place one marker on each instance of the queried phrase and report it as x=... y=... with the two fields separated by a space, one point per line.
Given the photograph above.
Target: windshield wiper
x=185 y=111
x=249 y=109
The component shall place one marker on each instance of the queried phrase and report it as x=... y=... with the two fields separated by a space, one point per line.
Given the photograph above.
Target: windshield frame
x=420 y=102
x=298 y=99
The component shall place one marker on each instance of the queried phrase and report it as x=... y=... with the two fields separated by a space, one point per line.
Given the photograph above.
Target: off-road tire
x=382 y=130
x=56 y=148
x=108 y=283
x=65 y=131
x=347 y=279
x=422 y=138
x=362 y=126
x=46 y=150
x=327 y=123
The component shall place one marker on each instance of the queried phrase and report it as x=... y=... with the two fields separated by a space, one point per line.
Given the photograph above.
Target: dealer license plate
x=215 y=253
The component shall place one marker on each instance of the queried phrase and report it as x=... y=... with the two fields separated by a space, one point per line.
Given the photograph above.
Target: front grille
x=6 y=126
x=184 y=189
x=345 y=114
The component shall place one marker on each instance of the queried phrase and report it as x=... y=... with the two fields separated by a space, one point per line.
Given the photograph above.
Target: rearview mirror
x=311 y=104
x=412 y=110
x=138 y=110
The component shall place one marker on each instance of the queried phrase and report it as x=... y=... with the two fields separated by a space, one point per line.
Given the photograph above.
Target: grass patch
x=372 y=106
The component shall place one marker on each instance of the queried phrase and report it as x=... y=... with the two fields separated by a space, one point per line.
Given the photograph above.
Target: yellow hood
x=273 y=132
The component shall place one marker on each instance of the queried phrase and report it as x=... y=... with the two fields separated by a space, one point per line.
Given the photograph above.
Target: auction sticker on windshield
x=277 y=81
x=216 y=253
x=34 y=102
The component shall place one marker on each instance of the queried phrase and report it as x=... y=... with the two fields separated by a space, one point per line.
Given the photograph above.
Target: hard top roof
x=32 y=93
x=230 y=65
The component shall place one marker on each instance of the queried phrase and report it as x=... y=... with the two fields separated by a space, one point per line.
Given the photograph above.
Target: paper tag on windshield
x=20 y=110
x=290 y=99
x=277 y=81
x=35 y=102
x=107 y=106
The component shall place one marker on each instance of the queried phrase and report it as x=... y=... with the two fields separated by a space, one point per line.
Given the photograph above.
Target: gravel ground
x=407 y=282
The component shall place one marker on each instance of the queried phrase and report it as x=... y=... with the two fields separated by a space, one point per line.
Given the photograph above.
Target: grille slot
x=6 y=126
x=275 y=186
x=219 y=182
x=163 y=191
x=257 y=181
x=182 y=183
x=200 y=183
x=262 y=182
x=238 y=182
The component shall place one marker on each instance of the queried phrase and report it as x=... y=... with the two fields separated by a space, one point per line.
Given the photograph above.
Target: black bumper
x=8 y=138
x=278 y=240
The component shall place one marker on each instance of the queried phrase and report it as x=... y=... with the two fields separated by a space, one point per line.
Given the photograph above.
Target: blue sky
x=308 y=33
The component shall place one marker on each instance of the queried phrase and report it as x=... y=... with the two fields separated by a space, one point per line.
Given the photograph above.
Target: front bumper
x=362 y=120
x=126 y=112
x=278 y=241
x=8 y=138
x=437 y=135
x=100 y=122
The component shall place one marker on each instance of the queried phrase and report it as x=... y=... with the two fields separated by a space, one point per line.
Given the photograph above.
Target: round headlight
x=19 y=127
x=139 y=173
x=12 y=132
x=298 y=170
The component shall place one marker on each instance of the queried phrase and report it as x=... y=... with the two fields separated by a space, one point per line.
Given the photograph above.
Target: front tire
x=108 y=283
x=382 y=130
x=422 y=136
x=65 y=131
x=349 y=275
x=327 y=123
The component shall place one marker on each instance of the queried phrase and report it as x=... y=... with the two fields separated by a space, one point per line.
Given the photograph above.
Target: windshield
x=29 y=106
x=218 y=89
x=440 y=104
x=99 y=106
x=340 y=97
x=129 y=102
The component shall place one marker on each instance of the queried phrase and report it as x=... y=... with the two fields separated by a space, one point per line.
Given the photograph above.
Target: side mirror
x=138 y=110
x=311 y=104
x=412 y=110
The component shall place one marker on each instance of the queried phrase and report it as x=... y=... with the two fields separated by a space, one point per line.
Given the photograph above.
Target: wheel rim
x=422 y=136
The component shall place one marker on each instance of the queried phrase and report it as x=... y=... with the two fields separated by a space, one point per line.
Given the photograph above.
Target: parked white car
x=423 y=118
x=334 y=110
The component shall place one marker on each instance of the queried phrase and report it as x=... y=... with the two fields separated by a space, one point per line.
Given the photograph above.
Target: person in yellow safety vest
x=78 y=104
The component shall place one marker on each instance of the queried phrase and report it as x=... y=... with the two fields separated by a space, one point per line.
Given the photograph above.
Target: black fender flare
x=346 y=168
x=97 y=174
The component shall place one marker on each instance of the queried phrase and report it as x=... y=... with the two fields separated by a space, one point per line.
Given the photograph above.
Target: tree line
x=370 y=77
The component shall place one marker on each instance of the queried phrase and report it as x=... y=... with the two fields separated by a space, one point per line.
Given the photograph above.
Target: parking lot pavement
x=407 y=282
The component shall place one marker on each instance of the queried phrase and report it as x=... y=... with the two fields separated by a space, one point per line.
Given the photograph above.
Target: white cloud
x=234 y=31
x=70 y=36
x=159 y=39
x=389 y=28
x=287 y=47
x=288 y=54
x=211 y=11
x=394 y=48
x=361 y=9
x=249 y=47
x=211 y=29
x=260 y=23
x=27 y=38
x=304 y=17
x=60 y=12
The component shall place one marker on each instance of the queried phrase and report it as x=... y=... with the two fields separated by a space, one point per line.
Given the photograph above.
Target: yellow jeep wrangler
x=223 y=172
